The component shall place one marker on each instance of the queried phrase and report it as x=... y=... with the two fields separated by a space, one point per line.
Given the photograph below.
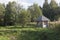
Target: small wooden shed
x=42 y=21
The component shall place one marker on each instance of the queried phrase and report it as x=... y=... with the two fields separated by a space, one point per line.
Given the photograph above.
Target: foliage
x=53 y=4
x=51 y=10
x=32 y=33
x=2 y=13
x=57 y=28
x=24 y=17
x=35 y=11
x=44 y=34
x=46 y=9
x=14 y=14
x=10 y=13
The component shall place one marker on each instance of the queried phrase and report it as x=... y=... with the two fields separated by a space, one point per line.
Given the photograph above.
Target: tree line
x=14 y=14
x=51 y=10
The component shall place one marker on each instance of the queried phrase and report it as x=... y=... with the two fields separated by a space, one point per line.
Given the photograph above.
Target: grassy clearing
x=4 y=38
x=14 y=32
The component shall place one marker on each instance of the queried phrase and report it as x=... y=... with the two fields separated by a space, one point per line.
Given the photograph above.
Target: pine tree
x=46 y=9
x=53 y=9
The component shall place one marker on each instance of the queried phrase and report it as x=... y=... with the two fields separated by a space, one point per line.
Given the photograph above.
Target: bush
x=57 y=26
x=39 y=35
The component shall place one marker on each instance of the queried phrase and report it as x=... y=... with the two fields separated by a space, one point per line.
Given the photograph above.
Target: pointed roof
x=42 y=18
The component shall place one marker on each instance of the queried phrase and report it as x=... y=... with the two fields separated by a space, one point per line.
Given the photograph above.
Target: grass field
x=8 y=31
x=6 y=34
x=4 y=38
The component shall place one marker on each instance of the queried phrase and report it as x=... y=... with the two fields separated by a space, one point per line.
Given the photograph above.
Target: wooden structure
x=42 y=21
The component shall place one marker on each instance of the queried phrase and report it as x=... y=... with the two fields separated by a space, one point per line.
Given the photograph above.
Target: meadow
x=29 y=32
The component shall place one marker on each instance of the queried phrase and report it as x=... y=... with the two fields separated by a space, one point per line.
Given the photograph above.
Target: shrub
x=39 y=35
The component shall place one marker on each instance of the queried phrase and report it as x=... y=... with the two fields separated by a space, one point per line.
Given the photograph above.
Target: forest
x=14 y=13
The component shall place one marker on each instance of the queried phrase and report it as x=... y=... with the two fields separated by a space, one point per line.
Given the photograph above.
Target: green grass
x=15 y=30
x=4 y=38
x=29 y=25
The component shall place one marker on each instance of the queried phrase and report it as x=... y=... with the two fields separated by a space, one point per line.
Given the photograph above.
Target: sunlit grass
x=4 y=38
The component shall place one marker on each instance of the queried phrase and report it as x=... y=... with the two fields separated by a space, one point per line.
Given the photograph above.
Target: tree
x=50 y=10
x=17 y=15
x=53 y=4
x=53 y=9
x=2 y=13
x=46 y=9
x=10 y=13
x=35 y=11
x=24 y=17
x=57 y=15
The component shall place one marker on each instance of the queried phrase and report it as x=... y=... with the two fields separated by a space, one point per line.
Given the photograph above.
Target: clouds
x=58 y=1
x=6 y=1
x=27 y=3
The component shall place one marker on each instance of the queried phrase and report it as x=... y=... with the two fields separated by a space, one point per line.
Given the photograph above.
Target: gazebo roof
x=42 y=18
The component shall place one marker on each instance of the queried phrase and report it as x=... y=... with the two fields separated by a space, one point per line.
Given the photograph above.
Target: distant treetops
x=14 y=14
x=51 y=10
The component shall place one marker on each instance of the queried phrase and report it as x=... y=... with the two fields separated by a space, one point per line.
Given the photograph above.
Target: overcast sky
x=27 y=3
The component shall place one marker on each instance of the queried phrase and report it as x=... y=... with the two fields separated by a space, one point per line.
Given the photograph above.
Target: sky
x=26 y=3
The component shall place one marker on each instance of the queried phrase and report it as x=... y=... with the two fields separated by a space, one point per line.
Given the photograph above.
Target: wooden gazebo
x=42 y=21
